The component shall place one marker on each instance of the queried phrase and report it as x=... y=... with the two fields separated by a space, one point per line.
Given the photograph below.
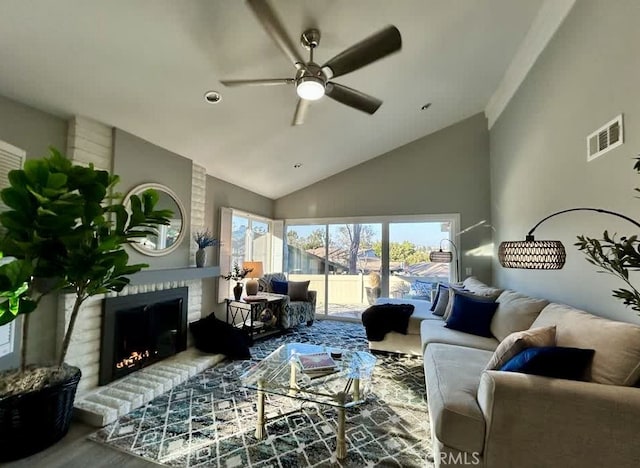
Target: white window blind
x=226 y=215
x=277 y=246
x=10 y=158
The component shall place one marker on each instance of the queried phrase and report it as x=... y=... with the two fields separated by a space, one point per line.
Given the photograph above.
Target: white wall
x=589 y=73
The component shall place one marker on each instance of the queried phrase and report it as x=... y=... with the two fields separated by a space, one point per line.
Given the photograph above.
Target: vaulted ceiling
x=144 y=66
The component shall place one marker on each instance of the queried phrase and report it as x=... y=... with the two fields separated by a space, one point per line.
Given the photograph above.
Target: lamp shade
x=440 y=256
x=532 y=254
x=255 y=267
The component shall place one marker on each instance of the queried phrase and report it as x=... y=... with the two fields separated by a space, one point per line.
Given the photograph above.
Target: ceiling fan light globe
x=310 y=88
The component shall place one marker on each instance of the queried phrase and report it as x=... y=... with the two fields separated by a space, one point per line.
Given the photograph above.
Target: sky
x=426 y=234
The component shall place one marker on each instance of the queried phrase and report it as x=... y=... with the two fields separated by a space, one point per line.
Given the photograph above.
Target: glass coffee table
x=342 y=387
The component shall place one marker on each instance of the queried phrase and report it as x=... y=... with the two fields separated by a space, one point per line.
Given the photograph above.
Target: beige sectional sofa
x=502 y=419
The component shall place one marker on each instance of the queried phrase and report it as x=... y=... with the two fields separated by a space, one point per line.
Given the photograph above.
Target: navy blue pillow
x=472 y=315
x=279 y=287
x=552 y=361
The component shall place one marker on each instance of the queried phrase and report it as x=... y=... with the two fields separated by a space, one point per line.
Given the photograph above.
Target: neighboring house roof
x=427 y=269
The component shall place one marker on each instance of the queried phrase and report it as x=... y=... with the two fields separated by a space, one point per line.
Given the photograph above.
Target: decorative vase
x=201 y=257
x=237 y=291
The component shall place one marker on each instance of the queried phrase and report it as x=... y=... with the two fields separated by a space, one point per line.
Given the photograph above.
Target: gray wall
x=34 y=131
x=223 y=194
x=445 y=172
x=137 y=162
x=589 y=73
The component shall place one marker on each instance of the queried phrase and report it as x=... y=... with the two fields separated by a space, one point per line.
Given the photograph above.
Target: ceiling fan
x=312 y=81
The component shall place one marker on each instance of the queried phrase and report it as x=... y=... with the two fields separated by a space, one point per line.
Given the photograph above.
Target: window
x=246 y=237
x=352 y=262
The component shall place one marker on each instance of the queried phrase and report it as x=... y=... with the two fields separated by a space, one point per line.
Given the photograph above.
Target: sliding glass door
x=304 y=258
x=411 y=274
x=352 y=262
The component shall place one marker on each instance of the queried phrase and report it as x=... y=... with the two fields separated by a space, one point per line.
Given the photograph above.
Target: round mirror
x=166 y=238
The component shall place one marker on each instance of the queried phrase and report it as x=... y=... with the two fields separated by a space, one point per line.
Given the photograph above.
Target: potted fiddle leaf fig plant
x=64 y=225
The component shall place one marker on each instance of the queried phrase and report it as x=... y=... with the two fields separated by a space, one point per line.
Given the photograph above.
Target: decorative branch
x=615 y=257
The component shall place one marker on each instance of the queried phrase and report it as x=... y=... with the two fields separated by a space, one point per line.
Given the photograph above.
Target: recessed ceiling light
x=426 y=106
x=297 y=165
x=212 y=97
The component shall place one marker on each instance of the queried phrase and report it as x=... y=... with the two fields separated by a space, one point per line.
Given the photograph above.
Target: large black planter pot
x=33 y=421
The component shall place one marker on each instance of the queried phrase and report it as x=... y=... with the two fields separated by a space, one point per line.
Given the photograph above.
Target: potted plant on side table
x=237 y=274
x=62 y=225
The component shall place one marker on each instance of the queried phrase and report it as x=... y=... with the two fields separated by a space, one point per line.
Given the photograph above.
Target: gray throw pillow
x=518 y=341
x=443 y=299
x=298 y=291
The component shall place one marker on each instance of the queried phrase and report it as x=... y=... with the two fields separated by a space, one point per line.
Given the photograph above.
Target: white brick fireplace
x=92 y=142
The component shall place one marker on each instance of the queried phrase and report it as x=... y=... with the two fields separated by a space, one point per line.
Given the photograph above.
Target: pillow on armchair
x=298 y=291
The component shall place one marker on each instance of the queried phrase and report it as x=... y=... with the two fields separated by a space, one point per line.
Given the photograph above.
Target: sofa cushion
x=557 y=362
x=434 y=331
x=472 y=314
x=452 y=375
x=518 y=341
x=298 y=291
x=617 y=344
x=477 y=287
x=516 y=312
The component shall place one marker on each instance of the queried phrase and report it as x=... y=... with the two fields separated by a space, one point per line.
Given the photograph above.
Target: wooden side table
x=245 y=315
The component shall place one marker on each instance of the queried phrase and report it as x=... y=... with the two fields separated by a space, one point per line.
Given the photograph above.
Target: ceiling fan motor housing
x=310 y=39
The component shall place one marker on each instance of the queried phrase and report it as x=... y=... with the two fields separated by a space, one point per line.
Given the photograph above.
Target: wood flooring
x=76 y=451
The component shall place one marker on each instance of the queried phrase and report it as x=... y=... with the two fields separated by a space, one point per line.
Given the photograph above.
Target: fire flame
x=133 y=359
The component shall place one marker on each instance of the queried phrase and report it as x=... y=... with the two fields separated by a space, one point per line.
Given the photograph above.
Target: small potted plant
x=203 y=239
x=237 y=274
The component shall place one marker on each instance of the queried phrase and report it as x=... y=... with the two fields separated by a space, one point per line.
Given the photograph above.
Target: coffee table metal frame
x=280 y=374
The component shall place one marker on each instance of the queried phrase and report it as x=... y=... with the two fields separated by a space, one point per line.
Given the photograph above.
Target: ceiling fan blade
x=375 y=47
x=352 y=98
x=274 y=28
x=301 y=112
x=265 y=82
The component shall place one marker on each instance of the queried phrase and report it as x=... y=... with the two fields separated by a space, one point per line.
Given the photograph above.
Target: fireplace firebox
x=141 y=329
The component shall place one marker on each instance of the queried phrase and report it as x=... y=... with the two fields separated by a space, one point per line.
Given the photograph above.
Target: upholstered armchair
x=294 y=312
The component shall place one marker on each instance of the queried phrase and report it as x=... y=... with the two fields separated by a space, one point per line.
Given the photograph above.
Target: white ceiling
x=144 y=65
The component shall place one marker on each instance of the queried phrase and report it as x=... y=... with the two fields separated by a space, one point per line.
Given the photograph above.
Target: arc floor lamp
x=534 y=254
x=446 y=256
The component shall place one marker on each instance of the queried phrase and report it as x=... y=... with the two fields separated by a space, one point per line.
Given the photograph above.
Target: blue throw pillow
x=421 y=288
x=279 y=287
x=472 y=315
x=552 y=361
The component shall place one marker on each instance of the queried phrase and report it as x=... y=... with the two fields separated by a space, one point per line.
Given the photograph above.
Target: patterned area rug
x=210 y=420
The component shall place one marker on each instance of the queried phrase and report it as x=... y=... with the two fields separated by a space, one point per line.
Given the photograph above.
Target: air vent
x=604 y=139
